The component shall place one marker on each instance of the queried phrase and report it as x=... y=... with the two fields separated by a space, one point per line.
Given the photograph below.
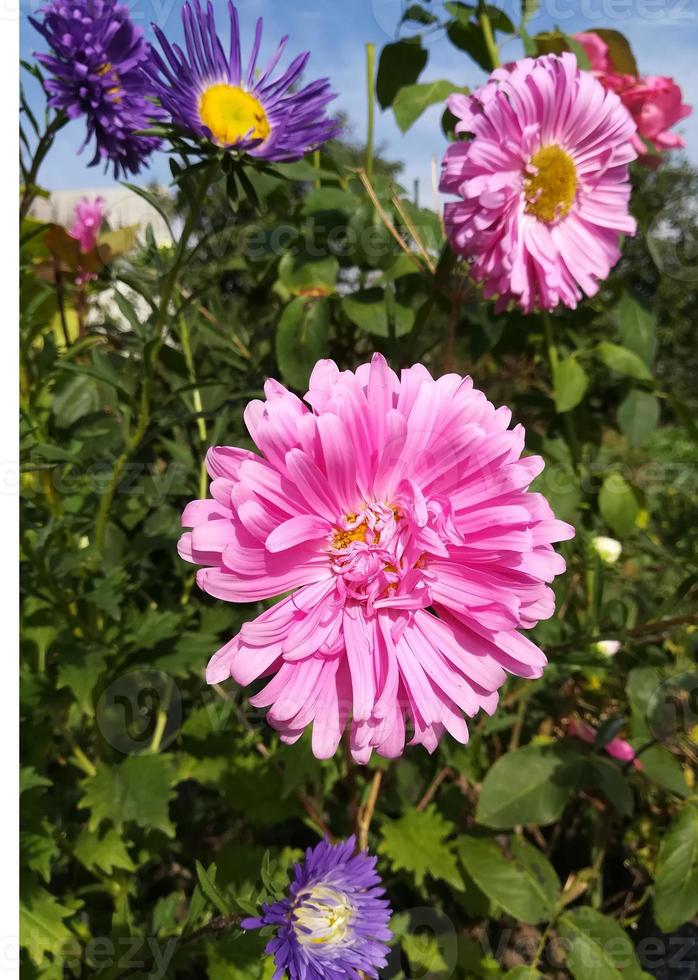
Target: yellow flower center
x=551 y=189
x=322 y=915
x=231 y=114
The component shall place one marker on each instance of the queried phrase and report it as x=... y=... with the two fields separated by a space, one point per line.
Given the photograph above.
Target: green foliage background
x=156 y=809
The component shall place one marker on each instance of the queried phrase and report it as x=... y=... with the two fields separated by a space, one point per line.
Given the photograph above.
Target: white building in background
x=122 y=208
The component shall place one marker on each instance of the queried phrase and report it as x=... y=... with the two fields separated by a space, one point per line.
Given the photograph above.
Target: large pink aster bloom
x=542 y=181
x=396 y=513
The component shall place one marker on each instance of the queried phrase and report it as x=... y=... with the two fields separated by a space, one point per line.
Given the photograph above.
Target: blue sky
x=663 y=34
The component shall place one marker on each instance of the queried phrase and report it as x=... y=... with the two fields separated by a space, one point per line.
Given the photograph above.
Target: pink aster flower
x=87 y=219
x=396 y=513
x=654 y=102
x=617 y=747
x=542 y=181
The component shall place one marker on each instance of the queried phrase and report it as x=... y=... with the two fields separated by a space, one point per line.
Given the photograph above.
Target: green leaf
x=76 y=397
x=329 y=199
x=368 y=309
x=638 y=415
x=530 y=785
x=412 y=100
x=610 y=779
x=637 y=326
x=662 y=768
x=137 y=790
x=29 y=778
x=80 y=673
x=41 y=926
x=676 y=883
x=103 y=853
x=302 y=338
x=303 y=274
x=623 y=361
x=416 y=843
x=468 y=37
x=418 y=15
x=401 y=63
x=599 y=949
x=570 y=382
x=619 y=49
x=524 y=884
x=618 y=504
x=207 y=883
x=37 y=852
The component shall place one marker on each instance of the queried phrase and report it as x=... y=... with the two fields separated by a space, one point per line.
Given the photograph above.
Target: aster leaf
x=302 y=338
x=367 y=308
x=676 y=884
x=207 y=882
x=417 y=843
x=103 y=853
x=41 y=923
x=522 y=882
x=599 y=949
x=138 y=790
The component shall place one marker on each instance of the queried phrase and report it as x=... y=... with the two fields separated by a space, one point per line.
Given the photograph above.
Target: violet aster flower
x=543 y=182
x=211 y=97
x=96 y=58
x=87 y=219
x=396 y=512
x=334 y=922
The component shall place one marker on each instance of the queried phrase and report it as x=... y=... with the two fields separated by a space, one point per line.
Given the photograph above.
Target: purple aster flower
x=210 y=96
x=334 y=921
x=96 y=59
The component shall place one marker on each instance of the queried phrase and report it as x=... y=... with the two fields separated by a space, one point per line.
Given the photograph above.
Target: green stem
x=553 y=360
x=43 y=146
x=150 y=362
x=487 y=33
x=196 y=398
x=370 y=91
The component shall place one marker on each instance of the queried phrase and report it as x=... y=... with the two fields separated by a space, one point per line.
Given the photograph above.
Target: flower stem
x=365 y=815
x=150 y=361
x=553 y=360
x=370 y=92
x=196 y=398
x=44 y=145
x=487 y=33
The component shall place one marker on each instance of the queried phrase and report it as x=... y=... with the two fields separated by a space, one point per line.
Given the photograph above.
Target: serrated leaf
x=29 y=778
x=570 y=382
x=599 y=949
x=103 y=853
x=412 y=100
x=530 y=785
x=676 y=884
x=37 y=852
x=417 y=843
x=138 y=790
x=42 y=929
x=523 y=883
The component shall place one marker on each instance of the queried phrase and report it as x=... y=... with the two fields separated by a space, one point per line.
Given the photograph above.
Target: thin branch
x=365 y=814
x=386 y=219
x=409 y=224
x=433 y=787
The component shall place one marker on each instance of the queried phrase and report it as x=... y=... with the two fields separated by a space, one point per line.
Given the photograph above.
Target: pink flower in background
x=654 y=102
x=617 y=747
x=543 y=182
x=396 y=513
x=87 y=220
